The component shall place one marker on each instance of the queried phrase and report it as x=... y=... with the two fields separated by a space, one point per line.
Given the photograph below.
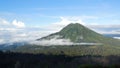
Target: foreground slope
x=26 y=60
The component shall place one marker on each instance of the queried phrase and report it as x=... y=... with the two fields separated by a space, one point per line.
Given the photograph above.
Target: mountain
x=8 y=46
x=74 y=56
x=78 y=33
x=85 y=42
x=112 y=35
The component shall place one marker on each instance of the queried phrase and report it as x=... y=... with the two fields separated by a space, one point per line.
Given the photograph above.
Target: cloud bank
x=17 y=31
x=11 y=30
x=53 y=41
x=57 y=40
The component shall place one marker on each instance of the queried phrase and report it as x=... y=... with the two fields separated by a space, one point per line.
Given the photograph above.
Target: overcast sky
x=21 y=19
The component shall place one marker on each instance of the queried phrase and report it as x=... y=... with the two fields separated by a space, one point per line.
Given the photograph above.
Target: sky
x=31 y=19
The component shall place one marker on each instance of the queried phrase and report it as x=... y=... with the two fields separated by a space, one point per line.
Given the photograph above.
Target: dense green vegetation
x=25 y=60
x=75 y=50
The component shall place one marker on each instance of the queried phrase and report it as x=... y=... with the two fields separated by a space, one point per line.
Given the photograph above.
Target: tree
x=17 y=65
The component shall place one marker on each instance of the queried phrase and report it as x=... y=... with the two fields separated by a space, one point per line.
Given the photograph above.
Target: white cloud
x=96 y=25
x=68 y=20
x=11 y=30
x=117 y=37
x=4 y=22
x=55 y=27
x=2 y=41
x=89 y=17
x=5 y=25
x=52 y=41
x=103 y=29
x=65 y=20
x=56 y=40
x=18 y=24
x=21 y=35
x=109 y=32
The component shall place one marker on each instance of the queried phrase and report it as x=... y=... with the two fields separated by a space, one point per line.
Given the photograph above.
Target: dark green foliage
x=17 y=64
x=25 y=60
x=75 y=50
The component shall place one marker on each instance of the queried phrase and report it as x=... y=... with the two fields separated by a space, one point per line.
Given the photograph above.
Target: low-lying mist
x=53 y=41
x=60 y=42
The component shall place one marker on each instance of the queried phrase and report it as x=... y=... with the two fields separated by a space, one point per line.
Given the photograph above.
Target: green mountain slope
x=78 y=33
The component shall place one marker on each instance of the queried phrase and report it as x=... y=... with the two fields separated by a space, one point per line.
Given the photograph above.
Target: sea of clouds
x=17 y=31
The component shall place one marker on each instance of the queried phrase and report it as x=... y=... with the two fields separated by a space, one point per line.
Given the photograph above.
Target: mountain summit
x=78 y=33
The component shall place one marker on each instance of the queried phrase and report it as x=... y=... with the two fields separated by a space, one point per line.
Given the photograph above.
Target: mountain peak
x=78 y=33
x=74 y=24
x=74 y=27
